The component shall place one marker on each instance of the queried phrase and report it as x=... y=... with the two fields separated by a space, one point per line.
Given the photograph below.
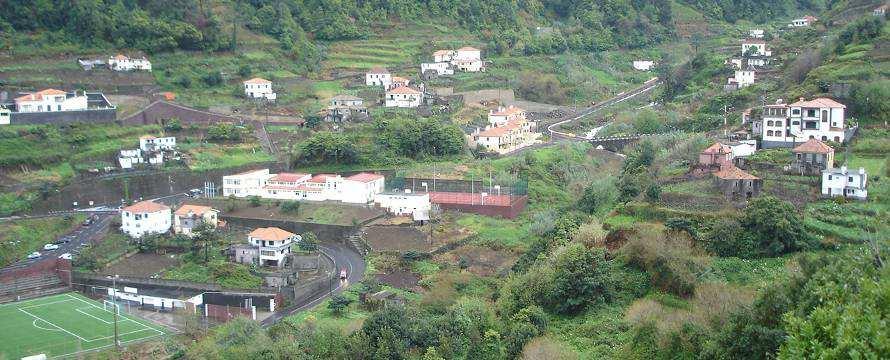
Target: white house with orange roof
x=378 y=76
x=189 y=217
x=404 y=97
x=145 y=218
x=468 y=59
x=503 y=115
x=50 y=100
x=259 y=88
x=755 y=47
x=245 y=184
x=121 y=62
x=787 y=125
x=508 y=130
x=273 y=244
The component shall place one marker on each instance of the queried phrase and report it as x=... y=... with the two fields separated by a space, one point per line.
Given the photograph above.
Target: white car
x=34 y=255
x=50 y=247
x=65 y=256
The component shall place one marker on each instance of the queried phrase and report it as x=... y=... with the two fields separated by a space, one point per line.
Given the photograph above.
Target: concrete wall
x=65 y=117
x=159 y=111
x=324 y=232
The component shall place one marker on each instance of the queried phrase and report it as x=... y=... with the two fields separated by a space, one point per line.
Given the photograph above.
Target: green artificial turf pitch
x=64 y=325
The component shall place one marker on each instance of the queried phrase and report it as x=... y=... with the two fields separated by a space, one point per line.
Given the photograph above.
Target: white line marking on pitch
x=57 y=326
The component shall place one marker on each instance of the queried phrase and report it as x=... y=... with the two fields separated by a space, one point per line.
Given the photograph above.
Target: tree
x=338 y=303
x=728 y=238
x=173 y=125
x=290 y=207
x=308 y=242
x=254 y=201
x=776 y=226
x=581 y=277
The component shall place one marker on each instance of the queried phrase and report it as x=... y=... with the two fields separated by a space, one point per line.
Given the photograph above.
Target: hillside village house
x=742 y=78
x=841 y=182
x=273 y=245
x=643 y=65
x=246 y=184
x=880 y=11
x=742 y=147
x=358 y=189
x=812 y=157
x=404 y=97
x=130 y=158
x=406 y=203
x=439 y=68
x=122 y=62
x=398 y=81
x=378 y=76
x=717 y=155
x=189 y=217
x=756 y=33
x=467 y=58
x=145 y=218
x=803 y=22
x=508 y=130
x=151 y=143
x=736 y=184
x=344 y=108
x=5 y=115
x=786 y=125
x=755 y=47
x=51 y=100
x=259 y=88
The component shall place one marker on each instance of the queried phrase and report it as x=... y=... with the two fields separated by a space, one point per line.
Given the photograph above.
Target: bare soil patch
x=399 y=279
x=326 y=212
x=398 y=238
x=142 y=265
x=481 y=261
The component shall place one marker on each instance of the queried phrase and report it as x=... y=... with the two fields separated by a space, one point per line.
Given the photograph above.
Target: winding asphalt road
x=646 y=87
x=344 y=258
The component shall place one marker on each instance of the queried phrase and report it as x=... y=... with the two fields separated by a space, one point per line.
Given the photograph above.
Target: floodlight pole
x=117 y=344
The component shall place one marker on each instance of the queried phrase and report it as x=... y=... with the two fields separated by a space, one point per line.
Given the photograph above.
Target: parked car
x=59 y=241
x=34 y=255
x=50 y=247
x=343 y=274
x=87 y=222
x=66 y=256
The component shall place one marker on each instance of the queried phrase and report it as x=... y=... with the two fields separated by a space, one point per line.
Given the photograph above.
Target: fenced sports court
x=65 y=325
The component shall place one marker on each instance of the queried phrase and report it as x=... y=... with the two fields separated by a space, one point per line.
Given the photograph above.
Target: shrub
x=290 y=207
x=728 y=238
x=254 y=201
x=776 y=226
x=671 y=265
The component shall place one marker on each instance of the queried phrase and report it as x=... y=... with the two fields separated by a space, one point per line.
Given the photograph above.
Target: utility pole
x=114 y=309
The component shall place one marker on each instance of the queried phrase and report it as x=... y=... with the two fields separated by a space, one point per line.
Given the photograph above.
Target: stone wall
x=64 y=117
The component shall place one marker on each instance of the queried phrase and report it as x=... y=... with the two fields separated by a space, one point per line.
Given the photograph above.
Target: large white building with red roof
x=787 y=125
x=358 y=189
x=50 y=100
x=145 y=218
x=259 y=88
x=508 y=130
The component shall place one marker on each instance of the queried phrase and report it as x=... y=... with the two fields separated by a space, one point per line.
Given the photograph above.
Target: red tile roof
x=734 y=173
x=818 y=103
x=146 y=206
x=147 y=137
x=498 y=131
x=468 y=48
x=365 y=177
x=403 y=90
x=442 y=52
x=378 y=70
x=400 y=79
x=37 y=96
x=321 y=178
x=813 y=146
x=271 y=233
x=288 y=177
x=184 y=210
x=717 y=148
x=510 y=110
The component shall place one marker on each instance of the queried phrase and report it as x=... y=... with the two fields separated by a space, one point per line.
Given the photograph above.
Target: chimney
x=844 y=169
x=862 y=171
x=800 y=99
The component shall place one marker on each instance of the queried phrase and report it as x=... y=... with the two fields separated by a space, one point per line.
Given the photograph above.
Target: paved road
x=344 y=257
x=73 y=241
x=646 y=87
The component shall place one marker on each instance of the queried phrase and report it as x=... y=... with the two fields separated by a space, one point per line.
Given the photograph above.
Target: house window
x=824 y=138
x=850 y=178
x=795 y=112
x=824 y=115
x=769 y=133
x=769 y=123
x=811 y=113
x=829 y=177
x=837 y=139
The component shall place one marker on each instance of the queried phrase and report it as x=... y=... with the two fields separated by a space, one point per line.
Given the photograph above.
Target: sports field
x=64 y=325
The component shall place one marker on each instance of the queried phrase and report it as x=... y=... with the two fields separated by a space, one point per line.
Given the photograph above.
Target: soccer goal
x=111 y=307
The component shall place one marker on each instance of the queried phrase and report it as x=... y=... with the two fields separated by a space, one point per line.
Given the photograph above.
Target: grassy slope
x=18 y=238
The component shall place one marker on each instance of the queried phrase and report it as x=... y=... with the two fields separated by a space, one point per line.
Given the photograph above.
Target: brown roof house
x=737 y=184
x=811 y=157
x=189 y=217
x=716 y=155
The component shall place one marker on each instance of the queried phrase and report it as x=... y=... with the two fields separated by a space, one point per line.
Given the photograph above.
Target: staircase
x=30 y=287
x=359 y=243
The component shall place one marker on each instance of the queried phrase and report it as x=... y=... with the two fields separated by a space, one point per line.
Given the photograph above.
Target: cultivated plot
x=65 y=325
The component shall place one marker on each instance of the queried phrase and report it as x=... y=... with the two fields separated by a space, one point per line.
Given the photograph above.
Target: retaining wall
x=64 y=117
x=324 y=232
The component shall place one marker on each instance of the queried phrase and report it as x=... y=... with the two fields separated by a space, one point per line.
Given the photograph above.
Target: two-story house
x=190 y=217
x=717 y=155
x=145 y=218
x=378 y=76
x=508 y=130
x=149 y=143
x=246 y=184
x=273 y=244
x=812 y=157
x=259 y=88
x=345 y=108
x=404 y=97
x=786 y=125
x=803 y=22
x=842 y=182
